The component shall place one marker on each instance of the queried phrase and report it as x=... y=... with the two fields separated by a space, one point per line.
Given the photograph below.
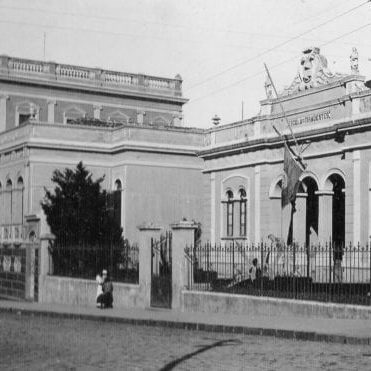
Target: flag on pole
x=293 y=171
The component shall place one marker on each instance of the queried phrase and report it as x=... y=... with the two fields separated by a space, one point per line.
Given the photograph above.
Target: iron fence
x=329 y=272
x=79 y=261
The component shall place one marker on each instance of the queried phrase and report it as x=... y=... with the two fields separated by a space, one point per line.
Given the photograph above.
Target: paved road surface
x=45 y=343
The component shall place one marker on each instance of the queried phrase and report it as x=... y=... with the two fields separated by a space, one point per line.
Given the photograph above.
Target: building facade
x=129 y=128
x=124 y=126
x=330 y=115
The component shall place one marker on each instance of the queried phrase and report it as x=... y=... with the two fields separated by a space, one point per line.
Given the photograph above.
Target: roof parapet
x=85 y=76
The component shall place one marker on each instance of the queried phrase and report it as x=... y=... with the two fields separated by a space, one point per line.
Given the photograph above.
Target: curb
x=194 y=326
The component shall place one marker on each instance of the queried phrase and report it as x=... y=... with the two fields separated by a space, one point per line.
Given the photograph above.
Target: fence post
x=183 y=235
x=45 y=262
x=147 y=232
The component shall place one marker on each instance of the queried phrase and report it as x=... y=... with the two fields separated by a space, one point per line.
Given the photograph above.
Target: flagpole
x=283 y=111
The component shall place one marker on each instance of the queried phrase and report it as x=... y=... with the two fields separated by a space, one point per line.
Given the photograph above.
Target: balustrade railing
x=92 y=76
x=11 y=233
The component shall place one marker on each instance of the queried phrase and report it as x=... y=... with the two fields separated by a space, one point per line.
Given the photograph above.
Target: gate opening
x=161 y=271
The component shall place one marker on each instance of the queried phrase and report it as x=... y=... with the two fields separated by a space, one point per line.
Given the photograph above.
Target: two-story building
x=127 y=127
x=228 y=177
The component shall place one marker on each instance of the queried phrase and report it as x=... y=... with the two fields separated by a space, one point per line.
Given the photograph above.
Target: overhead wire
x=120 y=19
x=275 y=65
x=231 y=68
x=141 y=21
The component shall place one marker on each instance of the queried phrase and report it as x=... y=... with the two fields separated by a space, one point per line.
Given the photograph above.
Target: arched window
x=117 y=201
x=18 y=202
x=229 y=213
x=8 y=202
x=243 y=203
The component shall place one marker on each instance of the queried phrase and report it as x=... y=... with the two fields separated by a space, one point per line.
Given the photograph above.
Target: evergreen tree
x=79 y=212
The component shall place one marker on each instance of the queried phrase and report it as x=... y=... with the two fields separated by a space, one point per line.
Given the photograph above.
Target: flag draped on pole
x=293 y=167
x=293 y=171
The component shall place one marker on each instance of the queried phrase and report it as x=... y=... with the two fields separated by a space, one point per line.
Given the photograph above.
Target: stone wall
x=82 y=292
x=244 y=305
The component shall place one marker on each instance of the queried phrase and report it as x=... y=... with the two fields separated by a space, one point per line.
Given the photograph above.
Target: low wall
x=81 y=292
x=207 y=302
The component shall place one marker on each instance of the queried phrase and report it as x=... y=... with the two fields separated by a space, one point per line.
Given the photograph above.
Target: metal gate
x=161 y=290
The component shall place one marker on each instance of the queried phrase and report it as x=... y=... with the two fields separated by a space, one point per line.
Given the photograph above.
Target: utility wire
x=274 y=66
x=118 y=33
x=211 y=77
x=141 y=21
x=198 y=41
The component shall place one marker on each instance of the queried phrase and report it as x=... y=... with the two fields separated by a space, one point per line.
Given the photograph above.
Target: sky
x=217 y=46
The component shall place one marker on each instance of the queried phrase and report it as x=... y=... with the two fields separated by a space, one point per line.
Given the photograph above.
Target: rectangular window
x=243 y=218
x=229 y=219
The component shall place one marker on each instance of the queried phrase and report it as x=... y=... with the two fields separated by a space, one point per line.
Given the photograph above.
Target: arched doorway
x=338 y=209
x=310 y=187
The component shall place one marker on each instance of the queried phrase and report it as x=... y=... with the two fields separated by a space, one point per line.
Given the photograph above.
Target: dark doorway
x=338 y=210
x=161 y=271
x=310 y=186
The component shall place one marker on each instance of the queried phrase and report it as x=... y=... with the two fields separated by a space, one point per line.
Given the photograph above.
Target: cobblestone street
x=45 y=343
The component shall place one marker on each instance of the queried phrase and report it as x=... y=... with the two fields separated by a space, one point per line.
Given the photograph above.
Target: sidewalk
x=314 y=329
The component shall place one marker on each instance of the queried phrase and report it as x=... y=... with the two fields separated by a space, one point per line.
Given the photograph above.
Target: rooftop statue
x=313 y=72
x=354 y=62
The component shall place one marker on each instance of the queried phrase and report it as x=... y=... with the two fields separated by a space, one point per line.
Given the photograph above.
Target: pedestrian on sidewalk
x=99 y=280
x=106 y=298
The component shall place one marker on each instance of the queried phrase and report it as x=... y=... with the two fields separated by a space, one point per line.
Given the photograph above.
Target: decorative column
x=183 y=236
x=30 y=271
x=324 y=215
x=300 y=218
x=45 y=262
x=147 y=232
x=3 y=100
x=236 y=216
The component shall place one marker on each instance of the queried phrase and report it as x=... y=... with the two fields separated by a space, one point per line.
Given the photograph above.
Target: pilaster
x=3 y=115
x=45 y=261
x=256 y=206
x=324 y=215
x=212 y=211
x=147 y=232
x=299 y=222
x=183 y=236
x=51 y=110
